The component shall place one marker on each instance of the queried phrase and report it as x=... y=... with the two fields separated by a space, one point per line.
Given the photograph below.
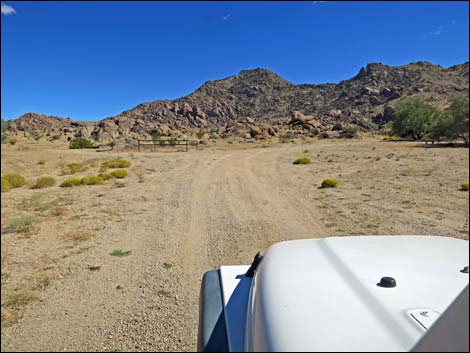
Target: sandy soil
x=193 y=212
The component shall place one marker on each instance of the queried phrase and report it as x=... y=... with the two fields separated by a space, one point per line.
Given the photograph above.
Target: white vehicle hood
x=322 y=294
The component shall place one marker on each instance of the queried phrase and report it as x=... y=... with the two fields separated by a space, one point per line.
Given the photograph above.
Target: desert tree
x=414 y=119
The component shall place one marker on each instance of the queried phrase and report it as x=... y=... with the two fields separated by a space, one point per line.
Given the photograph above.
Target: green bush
x=351 y=131
x=463 y=187
x=44 y=182
x=155 y=136
x=56 y=137
x=105 y=176
x=119 y=173
x=69 y=182
x=302 y=160
x=6 y=186
x=329 y=183
x=15 y=180
x=92 y=180
x=81 y=143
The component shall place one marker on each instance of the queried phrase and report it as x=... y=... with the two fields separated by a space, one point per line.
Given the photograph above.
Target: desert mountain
x=259 y=103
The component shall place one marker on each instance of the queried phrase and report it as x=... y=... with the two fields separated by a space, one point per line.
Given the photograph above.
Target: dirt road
x=193 y=212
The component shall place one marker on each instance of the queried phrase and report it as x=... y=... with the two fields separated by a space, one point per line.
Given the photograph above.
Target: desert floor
x=183 y=213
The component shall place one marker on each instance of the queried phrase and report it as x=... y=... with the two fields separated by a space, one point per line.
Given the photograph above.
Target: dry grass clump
x=15 y=180
x=329 y=183
x=92 y=180
x=44 y=182
x=69 y=182
x=105 y=176
x=22 y=224
x=17 y=298
x=119 y=163
x=119 y=173
x=302 y=160
x=6 y=186
x=73 y=168
x=42 y=162
x=464 y=186
x=79 y=236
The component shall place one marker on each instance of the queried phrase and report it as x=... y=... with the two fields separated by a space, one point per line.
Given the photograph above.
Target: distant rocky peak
x=370 y=70
x=261 y=75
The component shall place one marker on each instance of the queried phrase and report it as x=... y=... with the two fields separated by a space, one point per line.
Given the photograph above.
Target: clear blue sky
x=90 y=60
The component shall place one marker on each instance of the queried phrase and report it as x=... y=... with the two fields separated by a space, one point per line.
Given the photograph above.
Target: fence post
x=138 y=141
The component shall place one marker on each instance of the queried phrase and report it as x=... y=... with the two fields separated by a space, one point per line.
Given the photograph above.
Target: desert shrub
x=302 y=160
x=21 y=224
x=56 y=137
x=15 y=180
x=44 y=182
x=464 y=186
x=120 y=253
x=41 y=162
x=172 y=142
x=69 y=182
x=81 y=143
x=92 y=180
x=35 y=134
x=200 y=134
x=351 y=131
x=120 y=163
x=6 y=186
x=94 y=136
x=12 y=141
x=155 y=136
x=105 y=176
x=119 y=173
x=73 y=168
x=329 y=183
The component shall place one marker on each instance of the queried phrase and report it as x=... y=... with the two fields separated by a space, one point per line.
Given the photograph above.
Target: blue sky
x=91 y=60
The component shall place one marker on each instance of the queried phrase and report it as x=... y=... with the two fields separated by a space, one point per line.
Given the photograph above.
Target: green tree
x=454 y=122
x=414 y=119
x=458 y=118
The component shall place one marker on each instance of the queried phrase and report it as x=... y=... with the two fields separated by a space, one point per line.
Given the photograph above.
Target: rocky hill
x=259 y=103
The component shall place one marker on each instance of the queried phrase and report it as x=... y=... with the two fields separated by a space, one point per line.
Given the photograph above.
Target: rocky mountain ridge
x=259 y=103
